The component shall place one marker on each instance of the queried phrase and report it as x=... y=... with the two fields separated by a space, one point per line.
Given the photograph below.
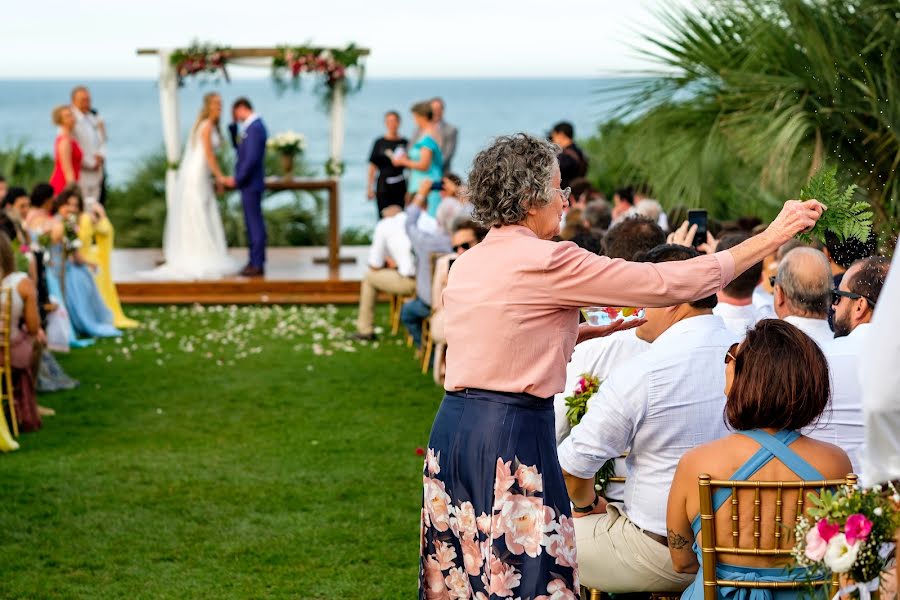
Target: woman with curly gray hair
x=497 y=515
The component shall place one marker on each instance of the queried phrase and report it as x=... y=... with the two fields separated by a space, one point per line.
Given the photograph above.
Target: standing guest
x=425 y=160
x=88 y=313
x=425 y=243
x=776 y=382
x=655 y=406
x=597 y=217
x=511 y=308
x=390 y=189
x=97 y=236
x=572 y=161
x=391 y=269
x=623 y=203
x=25 y=336
x=736 y=299
x=66 y=150
x=447 y=133
x=90 y=133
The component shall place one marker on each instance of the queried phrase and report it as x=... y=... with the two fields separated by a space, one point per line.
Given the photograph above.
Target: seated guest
x=95 y=231
x=841 y=255
x=644 y=204
x=26 y=337
x=453 y=200
x=802 y=298
x=582 y=193
x=597 y=217
x=573 y=224
x=16 y=205
x=764 y=294
x=466 y=234
x=391 y=268
x=70 y=275
x=424 y=244
x=658 y=405
x=623 y=204
x=626 y=240
x=736 y=299
x=776 y=382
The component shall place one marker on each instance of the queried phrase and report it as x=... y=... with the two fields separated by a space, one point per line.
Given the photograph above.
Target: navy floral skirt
x=496 y=521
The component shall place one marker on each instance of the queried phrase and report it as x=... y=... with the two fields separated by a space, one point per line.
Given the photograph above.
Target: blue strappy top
x=771 y=446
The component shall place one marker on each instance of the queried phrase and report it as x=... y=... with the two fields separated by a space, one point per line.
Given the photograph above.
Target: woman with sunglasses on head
x=496 y=517
x=776 y=383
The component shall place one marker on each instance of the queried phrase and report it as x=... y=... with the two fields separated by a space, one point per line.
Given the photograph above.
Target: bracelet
x=589 y=507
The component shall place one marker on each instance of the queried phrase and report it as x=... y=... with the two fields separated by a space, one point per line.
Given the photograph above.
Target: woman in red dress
x=67 y=152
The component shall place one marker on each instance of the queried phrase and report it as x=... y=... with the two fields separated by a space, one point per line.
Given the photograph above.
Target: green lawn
x=223 y=453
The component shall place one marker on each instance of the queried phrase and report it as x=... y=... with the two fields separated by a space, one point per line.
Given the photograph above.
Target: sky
x=52 y=39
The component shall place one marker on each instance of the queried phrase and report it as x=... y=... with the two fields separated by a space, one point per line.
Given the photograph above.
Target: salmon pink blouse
x=512 y=304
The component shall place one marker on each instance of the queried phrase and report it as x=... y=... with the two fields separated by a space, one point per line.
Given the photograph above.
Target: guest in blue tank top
x=424 y=161
x=776 y=383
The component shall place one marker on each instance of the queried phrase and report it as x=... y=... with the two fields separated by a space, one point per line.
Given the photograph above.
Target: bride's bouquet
x=287 y=143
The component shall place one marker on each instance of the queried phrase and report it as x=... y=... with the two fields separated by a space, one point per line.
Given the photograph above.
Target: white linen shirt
x=842 y=423
x=89 y=137
x=660 y=404
x=390 y=240
x=764 y=303
x=880 y=376
x=817 y=329
x=738 y=319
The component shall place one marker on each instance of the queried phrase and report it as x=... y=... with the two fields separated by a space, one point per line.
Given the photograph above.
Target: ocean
x=480 y=108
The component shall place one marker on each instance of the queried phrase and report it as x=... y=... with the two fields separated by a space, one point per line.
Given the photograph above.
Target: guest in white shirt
x=659 y=405
x=803 y=294
x=391 y=268
x=736 y=299
x=764 y=294
x=90 y=132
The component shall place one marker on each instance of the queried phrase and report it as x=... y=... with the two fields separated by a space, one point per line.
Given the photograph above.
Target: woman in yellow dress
x=97 y=237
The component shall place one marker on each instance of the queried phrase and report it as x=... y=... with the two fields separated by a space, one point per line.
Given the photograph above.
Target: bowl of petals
x=604 y=315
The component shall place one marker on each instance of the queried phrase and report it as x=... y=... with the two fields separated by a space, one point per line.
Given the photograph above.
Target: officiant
x=90 y=133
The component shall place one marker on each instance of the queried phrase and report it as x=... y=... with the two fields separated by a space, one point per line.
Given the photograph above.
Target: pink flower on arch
x=857 y=528
x=827 y=530
x=529 y=479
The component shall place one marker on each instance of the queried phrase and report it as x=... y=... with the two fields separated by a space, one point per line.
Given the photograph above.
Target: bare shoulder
x=830 y=460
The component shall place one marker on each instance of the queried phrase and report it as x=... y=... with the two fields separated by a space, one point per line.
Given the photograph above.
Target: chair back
x=6 y=386
x=711 y=551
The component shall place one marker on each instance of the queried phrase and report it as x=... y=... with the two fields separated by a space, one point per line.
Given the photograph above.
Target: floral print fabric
x=498 y=529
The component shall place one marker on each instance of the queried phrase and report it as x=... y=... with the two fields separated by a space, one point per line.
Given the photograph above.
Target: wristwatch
x=589 y=507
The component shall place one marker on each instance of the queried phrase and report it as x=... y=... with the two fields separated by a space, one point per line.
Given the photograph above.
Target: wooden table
x=330 y=185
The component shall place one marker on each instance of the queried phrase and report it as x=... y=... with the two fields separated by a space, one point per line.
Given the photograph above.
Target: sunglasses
x=772 y=281
x=463 y=246
x=731 y=355
x=836 y=296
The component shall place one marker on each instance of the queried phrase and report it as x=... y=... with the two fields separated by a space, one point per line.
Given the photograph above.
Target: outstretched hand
x=589 y=332
x=795 y=217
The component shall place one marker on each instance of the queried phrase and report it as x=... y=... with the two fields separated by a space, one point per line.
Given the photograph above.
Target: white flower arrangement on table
x=290 y=143
x=849 y=532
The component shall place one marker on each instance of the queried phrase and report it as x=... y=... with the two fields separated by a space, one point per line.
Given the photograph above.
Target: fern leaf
x=843 y=217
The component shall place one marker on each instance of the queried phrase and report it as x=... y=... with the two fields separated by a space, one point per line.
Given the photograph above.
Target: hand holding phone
x=699 y=218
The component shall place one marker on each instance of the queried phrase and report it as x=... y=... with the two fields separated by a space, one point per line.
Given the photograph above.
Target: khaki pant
x=379 y=280
x=615 y=556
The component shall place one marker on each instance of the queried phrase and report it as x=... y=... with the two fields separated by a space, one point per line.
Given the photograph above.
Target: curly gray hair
x=509 y=177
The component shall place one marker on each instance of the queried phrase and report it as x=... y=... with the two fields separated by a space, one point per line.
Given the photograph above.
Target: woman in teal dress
x=425 y=160
x=71 y=276
x=776 y=383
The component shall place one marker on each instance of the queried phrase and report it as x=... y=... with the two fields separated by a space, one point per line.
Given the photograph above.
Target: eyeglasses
x=565 y=192
x=463 y=246
x=838 y=294
x=772 y=281
x=731 y=355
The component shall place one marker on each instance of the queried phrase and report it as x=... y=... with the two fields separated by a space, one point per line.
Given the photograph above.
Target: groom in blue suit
x=248 y=135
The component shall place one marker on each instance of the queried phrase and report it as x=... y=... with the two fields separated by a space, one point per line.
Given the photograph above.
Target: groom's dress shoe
x=251 y=271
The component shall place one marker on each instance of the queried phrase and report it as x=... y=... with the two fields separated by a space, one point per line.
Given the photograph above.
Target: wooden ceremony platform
x=293 y=276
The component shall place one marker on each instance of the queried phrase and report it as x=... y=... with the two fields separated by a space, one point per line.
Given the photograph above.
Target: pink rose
x=502 y=578
x=523 y=520
x=502 y=482
x=827 y=530
x=437 y=504
x=857 y=528
x=529 y=479
x=445 y=554
x=815 y=545
x=472 y=559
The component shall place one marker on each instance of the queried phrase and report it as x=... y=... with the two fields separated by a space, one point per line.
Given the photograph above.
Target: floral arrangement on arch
x=849 y=532
x=200 y=58
x=332 y=65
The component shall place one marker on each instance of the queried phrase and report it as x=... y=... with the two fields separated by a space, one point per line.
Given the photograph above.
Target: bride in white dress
x=194 y=239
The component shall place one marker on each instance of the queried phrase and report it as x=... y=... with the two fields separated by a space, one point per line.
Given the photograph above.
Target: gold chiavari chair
x=427 y=341
x=711 y=551
x=6 y=389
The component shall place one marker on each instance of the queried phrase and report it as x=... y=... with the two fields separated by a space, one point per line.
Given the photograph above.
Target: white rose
x=840 y=556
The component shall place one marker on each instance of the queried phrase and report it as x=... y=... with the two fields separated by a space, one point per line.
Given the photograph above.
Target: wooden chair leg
x=395 y=314
x=426 y=355
x=10 y=397
x=595 y=594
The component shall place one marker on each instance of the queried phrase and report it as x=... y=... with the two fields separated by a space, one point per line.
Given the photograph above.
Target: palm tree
x=756 y=94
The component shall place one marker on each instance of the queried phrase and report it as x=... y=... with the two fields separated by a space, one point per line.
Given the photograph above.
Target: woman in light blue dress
x=425 y=160
x=73 y=280
x=777 y=383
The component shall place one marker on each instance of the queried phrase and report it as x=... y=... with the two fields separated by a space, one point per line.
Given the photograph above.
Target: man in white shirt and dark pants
x=90 y=132
x=802 y=296
x=658 y=405
x=391 y=269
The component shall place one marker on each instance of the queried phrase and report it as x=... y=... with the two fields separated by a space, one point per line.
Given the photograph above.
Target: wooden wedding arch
x=169 y=80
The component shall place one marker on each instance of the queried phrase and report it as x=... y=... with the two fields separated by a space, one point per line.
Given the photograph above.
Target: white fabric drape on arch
x=168 y=108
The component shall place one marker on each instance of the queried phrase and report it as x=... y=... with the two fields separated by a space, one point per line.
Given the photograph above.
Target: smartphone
x=698 y=217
